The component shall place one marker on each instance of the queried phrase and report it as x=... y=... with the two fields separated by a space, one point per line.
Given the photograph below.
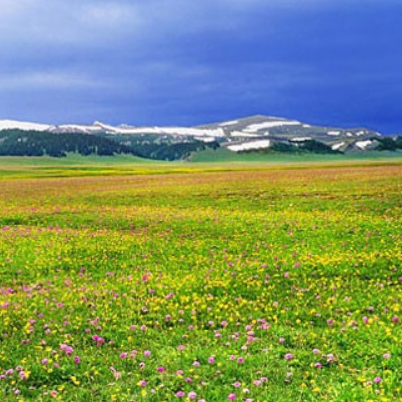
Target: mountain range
x=249 y=134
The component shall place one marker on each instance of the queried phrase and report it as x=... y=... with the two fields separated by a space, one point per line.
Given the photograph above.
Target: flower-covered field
x=281 y=285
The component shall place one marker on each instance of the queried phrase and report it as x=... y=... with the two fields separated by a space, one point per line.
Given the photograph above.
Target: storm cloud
x=180 y=62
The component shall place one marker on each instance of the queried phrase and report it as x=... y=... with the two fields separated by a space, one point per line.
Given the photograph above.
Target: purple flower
x=288 y=356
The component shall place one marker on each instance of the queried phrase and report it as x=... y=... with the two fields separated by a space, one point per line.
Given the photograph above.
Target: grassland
x=258 y=284
x=211 y=161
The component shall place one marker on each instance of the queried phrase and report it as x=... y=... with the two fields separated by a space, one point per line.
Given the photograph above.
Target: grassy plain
x=258 y=284
x=208 y=161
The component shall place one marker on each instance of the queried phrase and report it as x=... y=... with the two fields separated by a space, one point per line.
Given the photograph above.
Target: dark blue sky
x=181 y=62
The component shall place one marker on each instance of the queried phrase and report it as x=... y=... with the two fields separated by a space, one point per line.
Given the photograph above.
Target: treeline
x=308 y=146
x=172 y=151
x=389 y=143
x=37 y=143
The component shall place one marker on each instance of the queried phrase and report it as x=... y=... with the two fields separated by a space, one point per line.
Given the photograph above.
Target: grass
x=222 y=155
x=208 y=161
x=259 y=284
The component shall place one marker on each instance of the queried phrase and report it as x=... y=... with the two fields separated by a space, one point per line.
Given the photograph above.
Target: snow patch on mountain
x=19 y=125
x=363 y=144
x=229 y=123
x=337 y=146
x=300 y=139
x=270 y=124
x=245 y=135
x=183 y=131
x=248 y=146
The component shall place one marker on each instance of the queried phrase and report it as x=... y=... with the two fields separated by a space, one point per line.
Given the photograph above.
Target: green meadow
x=200 y=281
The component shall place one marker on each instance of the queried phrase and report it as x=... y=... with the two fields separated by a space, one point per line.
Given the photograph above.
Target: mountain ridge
x=248 y=133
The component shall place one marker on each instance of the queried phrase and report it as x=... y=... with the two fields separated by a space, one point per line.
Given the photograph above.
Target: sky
x=190 y=62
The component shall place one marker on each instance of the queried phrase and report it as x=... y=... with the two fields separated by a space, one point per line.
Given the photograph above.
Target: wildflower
x=116 y=374
x=23 y=375
x=288 y=356
x=377 y=380
x=231 y=397
x=192 y=395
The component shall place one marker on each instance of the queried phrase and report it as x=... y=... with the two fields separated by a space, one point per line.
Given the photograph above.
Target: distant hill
x=16 y=142
x=250 y=134
x=37 y=143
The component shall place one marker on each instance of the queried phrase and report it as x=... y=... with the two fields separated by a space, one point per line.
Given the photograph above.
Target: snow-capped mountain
x=249 y=133
x=19 y=125
x=260 y=131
